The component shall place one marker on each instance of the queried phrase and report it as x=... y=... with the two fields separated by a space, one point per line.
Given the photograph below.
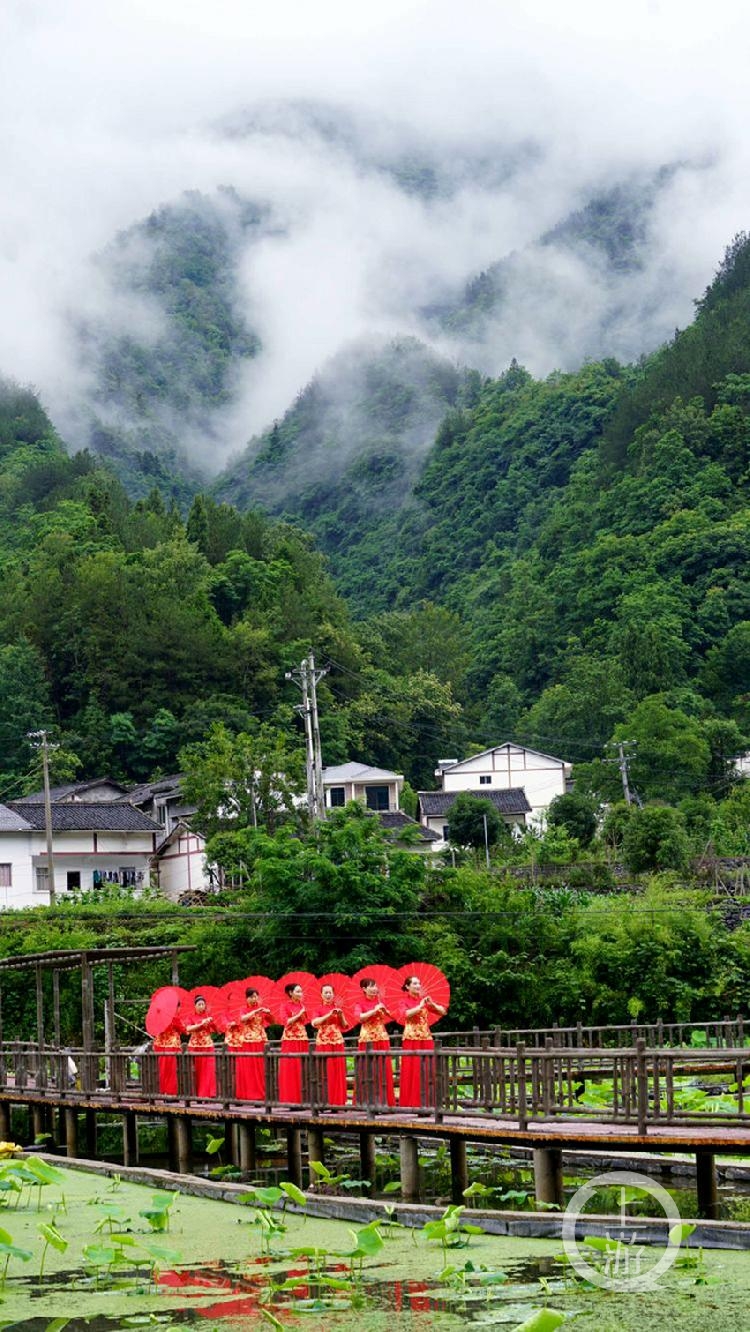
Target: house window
x=485 y=780
x=73 y=881
x=377 y=797
x=337 y=796
x=42 y=880
x=5 y=876
x=446 y=832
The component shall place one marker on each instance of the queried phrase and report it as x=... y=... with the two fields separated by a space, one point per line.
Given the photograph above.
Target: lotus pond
x=85 y=1251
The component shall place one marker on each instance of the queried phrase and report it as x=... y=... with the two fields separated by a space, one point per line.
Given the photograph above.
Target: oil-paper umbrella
x=310 y=992
x=434 y=985
x=389 y=987
x=164 y=1007
x=215 y=1001
x=235 y=998
x=347 y=995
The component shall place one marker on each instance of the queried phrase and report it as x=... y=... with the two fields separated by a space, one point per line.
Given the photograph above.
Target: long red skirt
x=290 y=1071
x=378 y=1070
x=335 y=1066
x=249 y=1072
x=205 y=1074
x=168 y=1074
x=417 y=1083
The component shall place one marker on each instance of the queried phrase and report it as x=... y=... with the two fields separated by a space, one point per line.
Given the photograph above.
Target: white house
x=180 y=863
x=377 y=788
x=435 y=807
x=508 y=767
x=94 y=843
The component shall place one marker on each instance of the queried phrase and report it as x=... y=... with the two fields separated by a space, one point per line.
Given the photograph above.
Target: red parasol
x=389 y=986
x=310 y=992
x=235 y=1001
x=434 y=986
x=163 y=1009
x=347 y=995
x=215 y=1002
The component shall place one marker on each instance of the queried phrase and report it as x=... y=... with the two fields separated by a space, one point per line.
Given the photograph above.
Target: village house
x=94 y=843
x=519 y=782
x=379 y=790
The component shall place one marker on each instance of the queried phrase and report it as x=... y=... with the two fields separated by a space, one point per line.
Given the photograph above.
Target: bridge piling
x=37 y=1122
x=130 y=1138
x=367 y=1156
x=459 y=1170
x=71 y=1131
x=409 y=1153
x=705 y=1179
x=4 y=1122
x=246 y=1153
x=294 y=1156
x=315 y=1151
x=182 y=1144
x=548 y=1175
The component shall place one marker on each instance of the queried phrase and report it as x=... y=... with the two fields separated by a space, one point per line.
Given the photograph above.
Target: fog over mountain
x=203 y=205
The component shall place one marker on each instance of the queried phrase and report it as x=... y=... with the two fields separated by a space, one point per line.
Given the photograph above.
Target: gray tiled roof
x=78 y=816
x=140 y=795
x=76 y=790
x=395 y=821
x=511 y=801
x=12 y=822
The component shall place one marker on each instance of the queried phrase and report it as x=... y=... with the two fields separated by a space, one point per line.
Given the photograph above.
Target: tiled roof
x=12 y=822
x=396 y=821
x=512 y=801
x=357 y=772
x=140 y=795
x=76 y=789
x=78 y=816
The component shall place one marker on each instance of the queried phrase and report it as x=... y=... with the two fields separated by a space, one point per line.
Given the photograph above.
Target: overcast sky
x=110 y=107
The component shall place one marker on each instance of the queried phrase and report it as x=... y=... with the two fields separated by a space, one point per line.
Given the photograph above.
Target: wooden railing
x=727 y=1032
x=521 y=1084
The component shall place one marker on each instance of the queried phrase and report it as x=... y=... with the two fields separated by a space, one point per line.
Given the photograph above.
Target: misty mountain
x=352 y=445
x=162 y=375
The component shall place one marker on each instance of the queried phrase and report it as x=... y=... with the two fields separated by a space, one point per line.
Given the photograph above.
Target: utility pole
x=40 y=740
x=625 y=753
x=308 y=678
x=486 y=841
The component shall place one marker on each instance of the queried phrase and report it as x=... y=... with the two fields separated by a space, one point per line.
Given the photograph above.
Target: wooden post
x=705 y=1177
x=459 y=1171
x=56 y=1006
x=523 y=1113
x=548 y=1176
x=37 y=1121
x=230 y=1141
x=409 y=1168
x=39 y=1008
x=71 y=1131
x=641 y=1086
x=247 y=1157
x=4 y=1121
x=367 y=1156
x=315 y=1150
x=130 y=1138
x=294 y=1156
x=90 y=1132
x=87 y=1003
x=183 y=1139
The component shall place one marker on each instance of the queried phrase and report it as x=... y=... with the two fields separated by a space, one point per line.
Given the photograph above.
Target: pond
x=83 y=1251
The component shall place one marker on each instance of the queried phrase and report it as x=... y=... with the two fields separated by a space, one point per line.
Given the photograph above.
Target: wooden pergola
x=71 y=959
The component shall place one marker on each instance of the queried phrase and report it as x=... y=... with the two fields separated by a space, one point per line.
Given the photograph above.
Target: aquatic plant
x=10 y=1250
x=157 y=1215
x=50 y=1235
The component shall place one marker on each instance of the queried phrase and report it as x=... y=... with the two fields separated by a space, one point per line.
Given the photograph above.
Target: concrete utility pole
x=308 y=678
x=625 y=752
x=40 y=740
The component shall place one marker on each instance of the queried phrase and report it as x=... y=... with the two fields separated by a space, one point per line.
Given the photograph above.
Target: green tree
x=24 y=707
x=576 y=813
x=655 y=839
x=243 y=781
x=472 y=820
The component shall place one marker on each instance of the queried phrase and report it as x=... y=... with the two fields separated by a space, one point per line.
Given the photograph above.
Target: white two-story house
x=520 y=782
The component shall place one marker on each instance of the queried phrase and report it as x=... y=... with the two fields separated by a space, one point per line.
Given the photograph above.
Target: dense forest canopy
x=548 y=577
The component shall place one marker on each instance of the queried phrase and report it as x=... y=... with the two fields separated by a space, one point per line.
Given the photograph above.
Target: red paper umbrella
x=235 y=1000
x=215 y=1002
x=164 y=1007
x=434 y=986
x=310 y=992
x=389 y=986
x=347 y=995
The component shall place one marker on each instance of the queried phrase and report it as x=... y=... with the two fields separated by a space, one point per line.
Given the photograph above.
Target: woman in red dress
x=373 y=1015
x=328 y=1022
x=417 y=1084
x=168 y=1045
x=246 y=1037
x=201 y=1043
x=293 y=1042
